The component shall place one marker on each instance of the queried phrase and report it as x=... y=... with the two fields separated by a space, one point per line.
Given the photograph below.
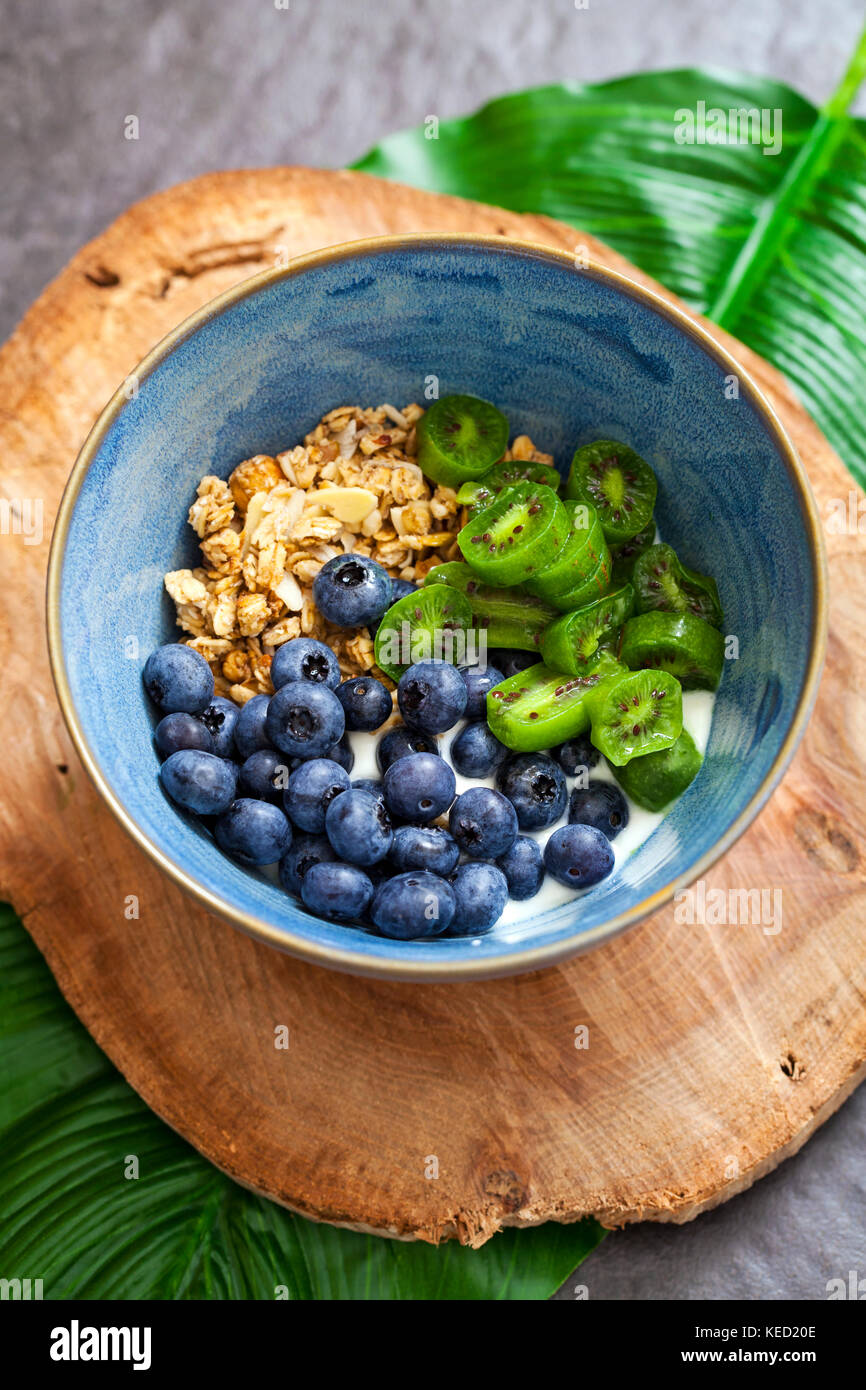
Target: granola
x=353 y=485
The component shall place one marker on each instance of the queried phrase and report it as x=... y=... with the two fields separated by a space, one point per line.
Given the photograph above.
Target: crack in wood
x=825 y=842
x=102 y=277
x=792 y=1068
x=220 y=256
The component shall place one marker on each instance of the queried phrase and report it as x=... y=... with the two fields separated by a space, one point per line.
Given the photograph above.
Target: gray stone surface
x=241 y=83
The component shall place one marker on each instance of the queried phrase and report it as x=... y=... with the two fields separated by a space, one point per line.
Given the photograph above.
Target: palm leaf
x=772 y=247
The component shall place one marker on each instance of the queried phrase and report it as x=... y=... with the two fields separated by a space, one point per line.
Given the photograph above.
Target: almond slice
x=255 y=512
x=347 y=504
x=289 y=590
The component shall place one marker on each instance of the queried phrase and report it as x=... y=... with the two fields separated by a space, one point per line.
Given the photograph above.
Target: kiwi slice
x=423 y=626
x=511 y=471
x=516 y=536
x=460 y=437
x=475 y=495
x=662 y=581
x=625 y=554
x=585 y=547
x=656 y=780
x=595 y=586
x=618 y=483
x=574 y=637
x=680 y=643
x=539 y=708
x=507 y=617
x=636 y=714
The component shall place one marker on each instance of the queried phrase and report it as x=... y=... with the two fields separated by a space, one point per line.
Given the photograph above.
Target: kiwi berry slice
x=656 y=780
x=574 y=637
x=618 y=483
x=626 y=553
x=595 y=586
x=475 y=495
x=516 y=536
x=511 y=471
x=662 y=581
x=508 y=617
x=423 y=626
x=456 y=573
x=680 y=643
x=579 y=557
x=460 y=437
x=638 y=713
x=539 y=708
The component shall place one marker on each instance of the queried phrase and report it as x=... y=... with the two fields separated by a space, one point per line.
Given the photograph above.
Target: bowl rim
x=522 y=959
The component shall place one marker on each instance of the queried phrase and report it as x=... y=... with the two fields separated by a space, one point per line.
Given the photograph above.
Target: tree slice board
x=714 y=1051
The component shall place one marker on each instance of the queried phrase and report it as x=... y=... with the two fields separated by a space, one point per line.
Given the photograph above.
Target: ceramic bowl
x=570 y=353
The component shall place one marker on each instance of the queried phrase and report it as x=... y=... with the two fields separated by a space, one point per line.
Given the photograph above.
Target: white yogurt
x=697 y=718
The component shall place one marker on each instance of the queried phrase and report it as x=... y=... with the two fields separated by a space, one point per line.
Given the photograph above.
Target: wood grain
x=714 y=1051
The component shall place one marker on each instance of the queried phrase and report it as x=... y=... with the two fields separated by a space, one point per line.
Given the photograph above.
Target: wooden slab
x=713 y=1051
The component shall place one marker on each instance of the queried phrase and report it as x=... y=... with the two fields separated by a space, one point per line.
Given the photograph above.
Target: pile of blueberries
x=271 y=779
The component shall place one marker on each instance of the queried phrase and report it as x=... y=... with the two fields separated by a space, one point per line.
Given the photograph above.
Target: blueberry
x=413 y=905
x=305 y=659
x=535 y=786
x=400 y=588
x=368 y=784
x=302 y=854
x=478 y=680
x=476 y=750
x=177 y=678
x=199 y=782
x=399 y=743
x=509 y=661
x=179 y=730
x=424 y=847
x=340 y=892
x=352 y=590
x=578 y=856
x=432 y=696
x=576 y=754
x=253 y=832
x=523 y=867
x=304 y=720
x=481 y=892
x=342 y=753
x=264 y=776
x=419 y=787
x=359 y=828
x=366 y=703
x=250 y=728
x=483 y=822
x=310 y=792
x=220 y=717
x=600 y=804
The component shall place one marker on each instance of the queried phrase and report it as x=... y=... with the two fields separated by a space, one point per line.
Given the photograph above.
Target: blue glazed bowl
x=569 y=354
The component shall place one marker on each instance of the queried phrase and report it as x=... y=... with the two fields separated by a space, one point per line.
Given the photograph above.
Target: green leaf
x=770 y=246
x=69 y=1127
